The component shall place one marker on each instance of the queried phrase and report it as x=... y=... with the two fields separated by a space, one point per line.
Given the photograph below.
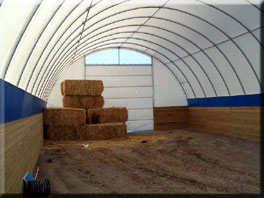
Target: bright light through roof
x=113 y=57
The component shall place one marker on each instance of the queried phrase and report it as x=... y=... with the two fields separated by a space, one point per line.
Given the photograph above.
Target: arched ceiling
x=211 y=47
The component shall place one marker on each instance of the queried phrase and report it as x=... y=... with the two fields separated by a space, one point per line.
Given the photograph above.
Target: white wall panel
x=130 y=103
x=127 y=86
x=140 y=125
x=138 y=114
x=166 y=88
x=127 y=92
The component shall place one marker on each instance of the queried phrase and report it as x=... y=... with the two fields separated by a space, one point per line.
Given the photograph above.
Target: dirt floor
x=181 y=161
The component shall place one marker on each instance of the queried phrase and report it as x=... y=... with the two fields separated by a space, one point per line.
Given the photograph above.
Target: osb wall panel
x=237 y=121
x=169 y=118
x=21 y=141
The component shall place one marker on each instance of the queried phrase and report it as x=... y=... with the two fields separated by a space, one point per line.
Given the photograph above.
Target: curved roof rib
x=177 y=35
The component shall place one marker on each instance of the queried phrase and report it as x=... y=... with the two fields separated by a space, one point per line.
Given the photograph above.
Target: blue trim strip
x=228 y=101
x=16 y=103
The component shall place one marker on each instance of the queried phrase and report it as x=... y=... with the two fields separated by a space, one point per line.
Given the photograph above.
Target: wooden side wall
x=243 y=122
x=169 y=118
x=20 y=144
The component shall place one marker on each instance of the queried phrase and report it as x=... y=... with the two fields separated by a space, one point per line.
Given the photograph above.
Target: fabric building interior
x=174 y=64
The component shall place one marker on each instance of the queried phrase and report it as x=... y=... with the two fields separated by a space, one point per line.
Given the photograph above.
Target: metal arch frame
x=170 y=42
x=68 y=59
x=147 y=20
x=83 y=24
x=52 y=71
x=51 y=85
x=199 y=65
x=145 y=17
x=54 y=77
x=21 y=37
x=35 y=44
x=242 y=52
x=1 y=2
x=232 y=17
x=254 y=5
x=66 y=38
x=199 y=34
x=33 y=70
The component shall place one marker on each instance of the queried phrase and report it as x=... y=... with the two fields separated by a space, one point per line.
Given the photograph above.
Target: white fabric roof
x=212 y=47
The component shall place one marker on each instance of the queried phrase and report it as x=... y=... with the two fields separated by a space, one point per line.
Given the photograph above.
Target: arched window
x=117 y=57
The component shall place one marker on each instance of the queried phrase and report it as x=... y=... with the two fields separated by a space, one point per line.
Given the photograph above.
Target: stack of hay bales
x=83 y=116
x=82 y=93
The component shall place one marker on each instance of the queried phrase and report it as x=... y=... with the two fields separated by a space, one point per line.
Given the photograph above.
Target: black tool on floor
x=34 y=186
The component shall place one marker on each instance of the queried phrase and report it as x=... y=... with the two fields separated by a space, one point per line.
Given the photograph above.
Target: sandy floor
x=181 y=161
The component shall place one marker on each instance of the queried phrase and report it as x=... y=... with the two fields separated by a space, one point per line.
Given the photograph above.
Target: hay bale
x=85 y=102
x=64 y=116
x=102 y=131
x=61 y=88
x=61 y=132
x=82 y=87
x=107 y=115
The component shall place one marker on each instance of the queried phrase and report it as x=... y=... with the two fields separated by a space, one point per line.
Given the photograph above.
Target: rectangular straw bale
x=61 y=116
x=107 y=115
x=85 y=102
x=82 y=87
x=102 y=131
x=61 y=132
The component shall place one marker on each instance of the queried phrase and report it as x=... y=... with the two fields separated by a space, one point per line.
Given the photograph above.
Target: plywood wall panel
x=20 y=143
x=169 y=118
x=237 y=121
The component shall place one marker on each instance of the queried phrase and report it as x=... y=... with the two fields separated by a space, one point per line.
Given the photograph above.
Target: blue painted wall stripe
x=16 y=103
x=228 y=101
